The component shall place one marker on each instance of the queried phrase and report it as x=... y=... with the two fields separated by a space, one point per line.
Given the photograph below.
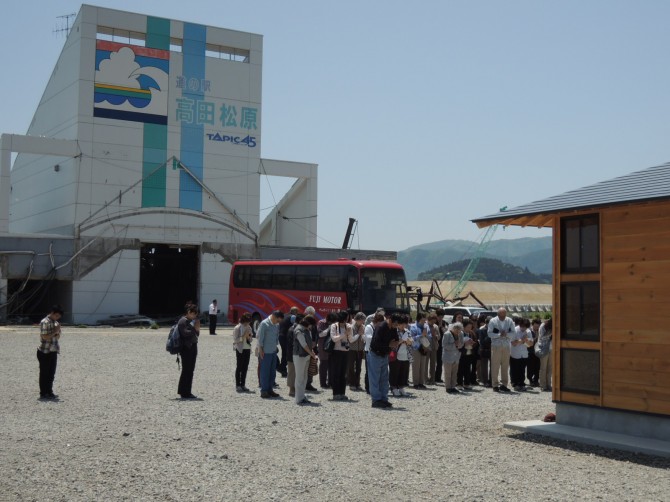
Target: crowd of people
x=462 y=353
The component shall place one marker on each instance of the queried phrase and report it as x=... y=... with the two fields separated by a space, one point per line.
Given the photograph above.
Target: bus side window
x=283 y=277
x=353 y=293
x=242 y=277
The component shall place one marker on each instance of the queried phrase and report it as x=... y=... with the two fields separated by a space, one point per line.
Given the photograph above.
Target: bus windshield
x=384 y=287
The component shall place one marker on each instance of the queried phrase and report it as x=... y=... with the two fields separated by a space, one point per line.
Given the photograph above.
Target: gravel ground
x=119 y=432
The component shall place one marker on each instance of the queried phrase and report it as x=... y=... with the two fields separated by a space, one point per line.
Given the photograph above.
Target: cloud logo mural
x=131 y=83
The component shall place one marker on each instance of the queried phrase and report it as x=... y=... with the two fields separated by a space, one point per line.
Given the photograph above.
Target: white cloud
x=118 y=69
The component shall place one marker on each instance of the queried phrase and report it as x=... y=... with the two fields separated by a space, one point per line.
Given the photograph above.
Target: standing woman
x=543 y=350
x=533 y=367
x=518 y=357
x=431 y=370
x=484 y=351
x=356 y=353
x=47 y=352
x=189 y=330
x=342 y=334
x=467 y=365
x=404 y=356
x=288 y=345
x=422 y=335
x=242 y=335
x=451 y=354
x=323 y=326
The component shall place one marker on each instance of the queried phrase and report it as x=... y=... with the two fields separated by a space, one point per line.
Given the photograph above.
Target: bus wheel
x=255 y=322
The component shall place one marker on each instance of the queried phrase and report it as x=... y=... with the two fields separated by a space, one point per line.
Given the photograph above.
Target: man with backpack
x=189 y=330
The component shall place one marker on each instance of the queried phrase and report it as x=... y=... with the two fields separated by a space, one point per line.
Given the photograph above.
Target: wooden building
x=611 y=300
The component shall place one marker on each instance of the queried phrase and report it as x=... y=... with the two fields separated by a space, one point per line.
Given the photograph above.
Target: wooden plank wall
x=635 y=310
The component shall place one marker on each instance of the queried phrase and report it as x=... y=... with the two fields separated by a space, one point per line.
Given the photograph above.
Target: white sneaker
x=403 y=393
x=396 y=392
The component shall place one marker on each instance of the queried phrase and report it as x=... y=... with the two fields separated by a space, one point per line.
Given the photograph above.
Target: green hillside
x=533 y=253
x=488 y=270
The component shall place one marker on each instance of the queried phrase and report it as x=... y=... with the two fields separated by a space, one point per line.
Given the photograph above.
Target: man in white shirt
x=213 y=311
x=500 y=331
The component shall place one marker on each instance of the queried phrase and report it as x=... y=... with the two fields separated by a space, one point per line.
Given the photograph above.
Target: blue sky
x=421 y=115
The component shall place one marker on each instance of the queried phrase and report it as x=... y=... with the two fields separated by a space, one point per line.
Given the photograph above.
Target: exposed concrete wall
x=215 y=278
x=113 y=287
x=620 y=422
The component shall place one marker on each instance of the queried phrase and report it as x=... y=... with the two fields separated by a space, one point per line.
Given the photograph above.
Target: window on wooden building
x=580 y=245
x=580 y=371
x=580 y=311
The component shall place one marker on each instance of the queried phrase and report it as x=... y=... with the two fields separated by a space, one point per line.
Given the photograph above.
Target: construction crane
x=348 y=237
x=474 y=261
x=455 y=295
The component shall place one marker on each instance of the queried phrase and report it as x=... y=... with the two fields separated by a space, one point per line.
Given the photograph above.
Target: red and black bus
x=259 y=287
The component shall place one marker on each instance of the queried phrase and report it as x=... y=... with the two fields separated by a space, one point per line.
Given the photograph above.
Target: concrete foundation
x=615 y=421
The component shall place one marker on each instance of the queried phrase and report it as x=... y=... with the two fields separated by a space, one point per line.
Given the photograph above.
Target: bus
x=259 y=287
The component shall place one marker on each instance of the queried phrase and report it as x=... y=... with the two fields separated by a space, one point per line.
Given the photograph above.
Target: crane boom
x=474 y=261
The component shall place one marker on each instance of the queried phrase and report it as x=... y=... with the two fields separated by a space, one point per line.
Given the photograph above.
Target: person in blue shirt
x=268 y=338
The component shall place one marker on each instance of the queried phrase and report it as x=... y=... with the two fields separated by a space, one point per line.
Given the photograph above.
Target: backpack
x=173 y=344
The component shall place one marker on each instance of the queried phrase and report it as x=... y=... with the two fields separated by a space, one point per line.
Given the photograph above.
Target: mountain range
x=534 y=253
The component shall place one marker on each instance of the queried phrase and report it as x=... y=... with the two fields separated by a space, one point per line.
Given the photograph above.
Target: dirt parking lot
x=118 y=432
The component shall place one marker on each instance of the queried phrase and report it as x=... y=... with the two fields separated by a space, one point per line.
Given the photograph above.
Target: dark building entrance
x=29 y=301
x=168 y=279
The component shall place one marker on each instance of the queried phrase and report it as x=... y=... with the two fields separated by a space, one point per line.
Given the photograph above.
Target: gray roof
x=647 y=184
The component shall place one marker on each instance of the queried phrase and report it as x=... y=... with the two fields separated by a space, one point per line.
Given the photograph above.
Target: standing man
x=500 y=331
x=384 y=339
x=213 y=311
x=48 y=350
x=268 y=337
x=189 y=331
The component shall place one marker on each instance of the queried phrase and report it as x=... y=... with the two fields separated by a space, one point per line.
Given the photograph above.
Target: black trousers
x=212 y=324
x=188 y=357
x=282 y=366
x=398 y=374
x=533 y=367
x=324 y=372
x=338 y=371
x=367 y=379
x=467 y=370
x=242 y=367
x=354 y=367
x=516 y=371
x=438 y=362
x=48 y=363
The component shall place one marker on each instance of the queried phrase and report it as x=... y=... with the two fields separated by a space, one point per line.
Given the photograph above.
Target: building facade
x=145 y=152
